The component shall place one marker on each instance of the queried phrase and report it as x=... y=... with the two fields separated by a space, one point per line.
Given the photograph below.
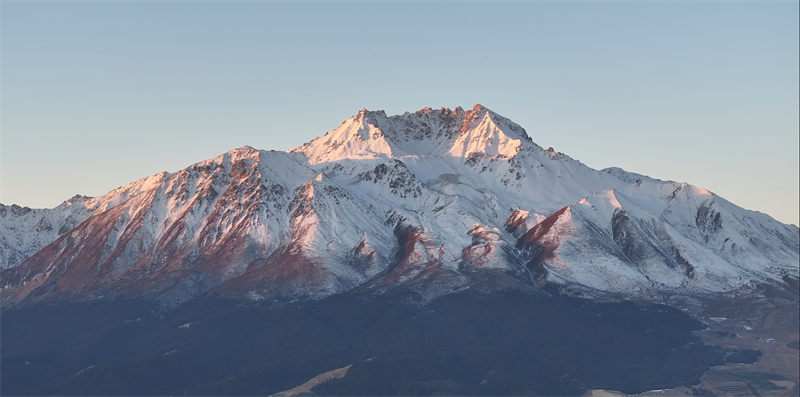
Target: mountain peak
x=444 y=132
x=482 y=136
x=356 y=138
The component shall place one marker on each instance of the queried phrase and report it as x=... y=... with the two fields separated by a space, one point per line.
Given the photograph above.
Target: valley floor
x=462 y=344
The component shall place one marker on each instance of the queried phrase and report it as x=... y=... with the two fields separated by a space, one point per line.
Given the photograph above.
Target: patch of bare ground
x=305 y=388
x=680 y=391
x=767 y=324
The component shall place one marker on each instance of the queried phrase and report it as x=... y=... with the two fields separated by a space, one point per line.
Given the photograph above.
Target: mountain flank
x=435 y=202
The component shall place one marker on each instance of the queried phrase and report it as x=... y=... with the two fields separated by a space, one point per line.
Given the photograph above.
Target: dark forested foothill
x=488 y=344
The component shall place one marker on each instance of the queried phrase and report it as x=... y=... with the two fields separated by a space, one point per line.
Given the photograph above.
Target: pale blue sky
x=96 y=95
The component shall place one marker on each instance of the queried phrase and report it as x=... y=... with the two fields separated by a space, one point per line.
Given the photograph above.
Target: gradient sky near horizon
x=98 y=94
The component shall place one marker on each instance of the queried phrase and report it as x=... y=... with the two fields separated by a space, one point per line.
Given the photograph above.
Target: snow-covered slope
x=25 y=231
x=434 y=201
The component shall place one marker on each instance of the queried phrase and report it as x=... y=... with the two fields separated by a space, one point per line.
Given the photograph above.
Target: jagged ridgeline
x=434 y=202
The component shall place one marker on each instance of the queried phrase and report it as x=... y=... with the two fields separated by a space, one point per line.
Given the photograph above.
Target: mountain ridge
x=436 y=200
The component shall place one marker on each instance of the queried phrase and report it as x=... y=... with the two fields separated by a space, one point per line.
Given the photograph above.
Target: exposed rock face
x=436 y=201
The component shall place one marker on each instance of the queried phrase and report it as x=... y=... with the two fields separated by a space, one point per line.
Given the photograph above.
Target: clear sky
x=98 y=94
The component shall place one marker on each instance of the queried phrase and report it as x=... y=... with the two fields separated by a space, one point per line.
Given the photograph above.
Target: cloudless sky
x=98 y=94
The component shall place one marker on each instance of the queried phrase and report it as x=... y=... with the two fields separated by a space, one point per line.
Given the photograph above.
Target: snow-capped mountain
x=434 y=201
x=25 y=231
